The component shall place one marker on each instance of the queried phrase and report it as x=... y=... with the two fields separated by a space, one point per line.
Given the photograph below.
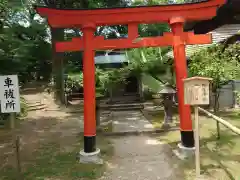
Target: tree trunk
x=57 y=66
x=216 y=102
x=216 y=109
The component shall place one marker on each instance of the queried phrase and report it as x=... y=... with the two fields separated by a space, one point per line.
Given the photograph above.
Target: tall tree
x=19 y=36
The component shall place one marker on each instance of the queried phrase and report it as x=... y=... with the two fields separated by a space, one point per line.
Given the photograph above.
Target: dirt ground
x=37 y=129
x=50 y=141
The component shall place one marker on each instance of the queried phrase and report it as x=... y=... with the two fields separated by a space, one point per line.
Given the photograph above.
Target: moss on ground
x=52 y=163
x=220 y=159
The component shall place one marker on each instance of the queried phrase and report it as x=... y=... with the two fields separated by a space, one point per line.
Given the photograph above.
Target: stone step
x=125 y=98
x=29 y=90
x=36 y=108
x=118 y=105
x=123 y=102
x=33 y=101
x=126 y=108
x=32 y=90
x=30 y=105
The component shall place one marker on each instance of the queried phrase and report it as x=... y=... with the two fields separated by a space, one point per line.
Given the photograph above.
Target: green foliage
x=150 y=61
x=20 y=46
x=74 y=62
x=23 y=105
x=74 y=83
x=146 y=30
x=112 y=77
x=141 y=62
x=108 y=3
x=22 y=56
x=218 y=63
x=23 y=47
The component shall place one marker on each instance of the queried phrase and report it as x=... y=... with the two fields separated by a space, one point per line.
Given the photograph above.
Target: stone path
x=130 y=121
x=140 y=157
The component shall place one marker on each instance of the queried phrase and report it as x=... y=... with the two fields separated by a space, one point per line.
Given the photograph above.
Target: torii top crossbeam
x=67 y=18
x=113 y=16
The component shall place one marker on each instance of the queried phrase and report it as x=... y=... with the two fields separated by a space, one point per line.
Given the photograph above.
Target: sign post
x=197 y=143
x=196 y=92
x=9 y=96
x=10 y=103
x=12 y=120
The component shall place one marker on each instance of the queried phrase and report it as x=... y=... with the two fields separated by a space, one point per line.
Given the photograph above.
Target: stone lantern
x=167 y=94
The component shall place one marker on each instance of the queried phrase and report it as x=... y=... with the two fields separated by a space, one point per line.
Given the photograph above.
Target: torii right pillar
x=180 y=63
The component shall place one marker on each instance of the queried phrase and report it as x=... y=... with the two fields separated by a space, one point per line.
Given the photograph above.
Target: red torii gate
x=88 y=20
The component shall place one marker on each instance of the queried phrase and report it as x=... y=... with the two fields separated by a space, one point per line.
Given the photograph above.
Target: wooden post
x=218 y=130
x=12 y=120
x=196 y=92
x=197 y=144
x=17 y=143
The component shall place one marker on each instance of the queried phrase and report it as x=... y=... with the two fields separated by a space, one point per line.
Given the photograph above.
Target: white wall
x=105 y=59
x=227 y=98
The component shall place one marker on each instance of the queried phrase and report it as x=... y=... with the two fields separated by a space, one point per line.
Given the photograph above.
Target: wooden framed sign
x=196 y=90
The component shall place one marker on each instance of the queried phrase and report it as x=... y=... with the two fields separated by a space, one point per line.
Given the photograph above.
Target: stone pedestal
x=90 y=158
x=184 y=152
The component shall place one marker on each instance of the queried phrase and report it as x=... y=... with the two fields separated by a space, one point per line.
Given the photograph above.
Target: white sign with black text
x=9 y=94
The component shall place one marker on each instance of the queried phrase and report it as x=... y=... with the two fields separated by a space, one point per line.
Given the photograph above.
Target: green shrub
x=24 y=108
x=73 y=84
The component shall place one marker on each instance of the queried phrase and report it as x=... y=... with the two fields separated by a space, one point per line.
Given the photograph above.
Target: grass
x=157 y=121
x=156 y=117
x=51 y=162
x=220 y=159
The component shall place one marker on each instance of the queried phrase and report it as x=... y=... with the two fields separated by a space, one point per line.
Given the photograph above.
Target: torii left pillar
x=89 y=153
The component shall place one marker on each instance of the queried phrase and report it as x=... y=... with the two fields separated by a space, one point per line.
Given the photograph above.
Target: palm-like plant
x=153 y=62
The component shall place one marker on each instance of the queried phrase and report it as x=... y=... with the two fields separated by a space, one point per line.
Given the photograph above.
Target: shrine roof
x=229 y=13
